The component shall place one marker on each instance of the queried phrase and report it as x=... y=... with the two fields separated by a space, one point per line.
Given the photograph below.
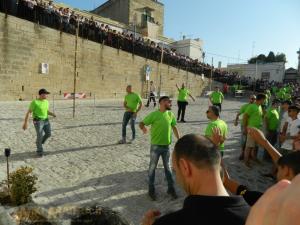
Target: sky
x=232 y=30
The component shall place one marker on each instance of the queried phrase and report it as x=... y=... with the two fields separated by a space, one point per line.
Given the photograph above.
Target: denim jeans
x=128 y=116
x=41 y=127
x=155 y=152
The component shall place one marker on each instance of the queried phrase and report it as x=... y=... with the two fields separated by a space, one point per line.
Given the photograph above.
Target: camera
x=7 y=152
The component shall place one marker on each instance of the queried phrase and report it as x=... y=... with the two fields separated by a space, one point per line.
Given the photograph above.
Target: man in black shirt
x=196 y=161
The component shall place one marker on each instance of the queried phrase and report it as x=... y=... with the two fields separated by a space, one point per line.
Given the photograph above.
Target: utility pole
x=75 y=69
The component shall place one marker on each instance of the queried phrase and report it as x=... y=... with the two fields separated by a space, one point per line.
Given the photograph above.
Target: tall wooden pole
x=161 y=62
x=75 y=69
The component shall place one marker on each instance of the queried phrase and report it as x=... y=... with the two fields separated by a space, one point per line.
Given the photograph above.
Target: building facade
x=146 y=16
x=265 y=71
x=190 y=47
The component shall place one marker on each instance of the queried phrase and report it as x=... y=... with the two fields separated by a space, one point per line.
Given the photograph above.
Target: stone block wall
x=102 y=71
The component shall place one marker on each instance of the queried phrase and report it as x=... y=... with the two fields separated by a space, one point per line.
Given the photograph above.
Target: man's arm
x=229 y=184
x=51 y=114
x=140 y=106
x=192 y=97
x=176 y=132
x=143 y=127
x=236 y=122
x=25 y=124
x=245 y=122
x=260 y=139
x=125 y=106
x=177 y=87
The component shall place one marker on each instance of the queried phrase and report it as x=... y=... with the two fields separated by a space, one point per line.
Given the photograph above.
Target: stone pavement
x=84 y=163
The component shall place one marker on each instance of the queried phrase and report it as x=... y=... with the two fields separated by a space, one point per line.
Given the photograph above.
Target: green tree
x=280 y=57
x=271 y=57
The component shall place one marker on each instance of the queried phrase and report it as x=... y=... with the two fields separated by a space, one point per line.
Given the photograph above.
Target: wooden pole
x=161 y=62
x=75 y=69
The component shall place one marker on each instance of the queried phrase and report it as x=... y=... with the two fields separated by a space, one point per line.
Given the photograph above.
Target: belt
x=39 y=119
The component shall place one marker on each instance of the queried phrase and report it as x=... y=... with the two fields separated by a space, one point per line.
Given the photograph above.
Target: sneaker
x=172 y=192
x=152 y=195
x=122 y=141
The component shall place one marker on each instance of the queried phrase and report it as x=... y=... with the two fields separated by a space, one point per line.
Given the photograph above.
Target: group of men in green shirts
x=162 y=122
x=254 y=115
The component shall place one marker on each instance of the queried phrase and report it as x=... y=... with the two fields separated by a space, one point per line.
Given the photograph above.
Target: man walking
x=182 y=101
x=213 y=114
x=253 y=117
x=243 y=108
x=132 y=104
x=216 y=98
x=151 y=94
x=40 y=110
x=162 y=121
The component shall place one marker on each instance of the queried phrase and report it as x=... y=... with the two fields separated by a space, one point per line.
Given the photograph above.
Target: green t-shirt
x=243 y=109
x=217 y=97
x=220 y=124
x=161 y=124
x=287 y=96
x=255 y=115
x=272 y=117
x=132 y=101
x=183 y=94
x=39 y=109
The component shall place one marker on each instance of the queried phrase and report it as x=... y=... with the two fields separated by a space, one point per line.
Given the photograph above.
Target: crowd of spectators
x=67 y=20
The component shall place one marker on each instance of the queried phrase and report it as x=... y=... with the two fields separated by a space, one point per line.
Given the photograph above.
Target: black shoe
x=182 y=121
x=152 y=195
x=39 y=154
x=146 y=105
x=172 y=192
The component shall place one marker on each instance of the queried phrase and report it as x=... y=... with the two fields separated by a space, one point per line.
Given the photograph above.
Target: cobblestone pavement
x=84 y=163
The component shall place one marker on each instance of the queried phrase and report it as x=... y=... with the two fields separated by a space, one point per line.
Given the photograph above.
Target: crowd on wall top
x=66 y=20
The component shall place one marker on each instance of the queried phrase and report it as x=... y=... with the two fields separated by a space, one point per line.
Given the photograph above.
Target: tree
x=280 y=57
x=271 y=57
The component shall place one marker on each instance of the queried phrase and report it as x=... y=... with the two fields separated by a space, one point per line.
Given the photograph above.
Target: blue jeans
x=128 y=116
x=41 y=127
x=155 y=152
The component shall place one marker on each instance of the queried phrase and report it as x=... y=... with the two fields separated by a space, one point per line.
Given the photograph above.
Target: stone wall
x=102 y=71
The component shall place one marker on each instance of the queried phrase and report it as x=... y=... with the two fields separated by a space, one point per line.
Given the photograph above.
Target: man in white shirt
x=284 y=116
x=287 y=138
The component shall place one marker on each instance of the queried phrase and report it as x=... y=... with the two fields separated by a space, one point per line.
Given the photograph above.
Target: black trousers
x=181 y=109
x=151 y=97
x=218 y=105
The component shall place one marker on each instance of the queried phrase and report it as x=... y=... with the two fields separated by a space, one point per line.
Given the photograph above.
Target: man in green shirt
x=39 y=109
x=253 y=117
x=182 y=101
x=213 y=114
x=241 y=112
x=132 y=104
x=162 y=123
x=272 y=122
x=216 y=98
